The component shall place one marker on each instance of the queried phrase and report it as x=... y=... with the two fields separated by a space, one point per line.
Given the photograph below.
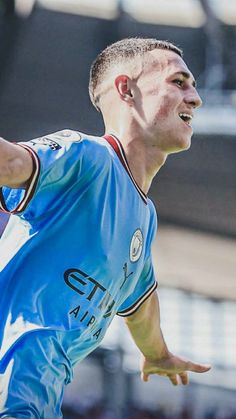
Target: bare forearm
x=15 y=164
x=144 y=326
x=5 y=162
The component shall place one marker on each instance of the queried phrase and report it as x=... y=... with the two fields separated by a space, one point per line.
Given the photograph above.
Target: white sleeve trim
x=137 y=304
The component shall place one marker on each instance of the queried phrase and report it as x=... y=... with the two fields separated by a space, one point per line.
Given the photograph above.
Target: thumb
x=144 y=376
x=198 y=367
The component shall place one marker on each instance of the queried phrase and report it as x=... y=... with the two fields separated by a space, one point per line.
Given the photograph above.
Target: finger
x=173 y=378
x=144 y=376
x=198 y=367
x=184 y=378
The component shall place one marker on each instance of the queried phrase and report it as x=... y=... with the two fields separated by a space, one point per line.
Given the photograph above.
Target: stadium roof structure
x=189 y=13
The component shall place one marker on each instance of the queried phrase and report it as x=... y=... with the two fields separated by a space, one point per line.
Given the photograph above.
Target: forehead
x=165 y=63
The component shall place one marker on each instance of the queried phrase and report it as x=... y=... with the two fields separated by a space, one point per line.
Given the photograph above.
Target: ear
x=123 y=87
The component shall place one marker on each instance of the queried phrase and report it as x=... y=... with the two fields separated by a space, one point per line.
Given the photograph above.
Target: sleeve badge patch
x=47 y=142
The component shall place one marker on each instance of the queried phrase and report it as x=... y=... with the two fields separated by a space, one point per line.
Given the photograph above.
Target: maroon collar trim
x=118 y=148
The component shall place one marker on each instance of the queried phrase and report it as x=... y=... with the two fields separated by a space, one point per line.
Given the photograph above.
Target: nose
x=193 y=98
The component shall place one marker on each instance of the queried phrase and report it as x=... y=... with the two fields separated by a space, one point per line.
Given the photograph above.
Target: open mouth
x=186 y=117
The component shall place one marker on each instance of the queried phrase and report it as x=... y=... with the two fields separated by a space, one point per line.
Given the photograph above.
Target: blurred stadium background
x=46 y=48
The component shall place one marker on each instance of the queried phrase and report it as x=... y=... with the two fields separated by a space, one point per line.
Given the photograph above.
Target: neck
x=144 y=158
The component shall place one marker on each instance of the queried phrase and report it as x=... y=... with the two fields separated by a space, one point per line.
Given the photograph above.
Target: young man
x=76 y=250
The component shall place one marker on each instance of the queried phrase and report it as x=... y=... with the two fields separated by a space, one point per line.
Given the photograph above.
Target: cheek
x=165 y=108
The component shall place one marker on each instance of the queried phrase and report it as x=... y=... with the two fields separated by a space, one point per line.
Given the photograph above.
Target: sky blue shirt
x=77 y=249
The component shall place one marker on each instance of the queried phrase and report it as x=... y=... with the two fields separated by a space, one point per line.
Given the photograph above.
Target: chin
x=185 y=143
x=176 y=140
x=181 y=145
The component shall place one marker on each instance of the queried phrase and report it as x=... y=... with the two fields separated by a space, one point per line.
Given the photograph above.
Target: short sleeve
x=145 y=286
x=56 y=159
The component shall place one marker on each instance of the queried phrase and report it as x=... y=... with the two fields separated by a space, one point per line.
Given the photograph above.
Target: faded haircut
x=122 y=51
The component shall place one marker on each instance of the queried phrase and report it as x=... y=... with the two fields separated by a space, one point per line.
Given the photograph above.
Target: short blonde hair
x=123 y=50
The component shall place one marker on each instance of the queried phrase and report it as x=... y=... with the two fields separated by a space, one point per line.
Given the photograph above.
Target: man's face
x=165 y=99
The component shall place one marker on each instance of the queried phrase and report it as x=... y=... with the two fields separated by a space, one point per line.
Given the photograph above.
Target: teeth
x=185 y=116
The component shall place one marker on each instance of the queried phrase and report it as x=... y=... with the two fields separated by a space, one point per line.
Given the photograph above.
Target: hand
x=171 y=366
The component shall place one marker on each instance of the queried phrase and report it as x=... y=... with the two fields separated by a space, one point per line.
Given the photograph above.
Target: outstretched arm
x=15 y=165
x=144 y=326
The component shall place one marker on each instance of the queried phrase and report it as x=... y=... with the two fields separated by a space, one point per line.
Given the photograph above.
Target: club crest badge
x=136 y=246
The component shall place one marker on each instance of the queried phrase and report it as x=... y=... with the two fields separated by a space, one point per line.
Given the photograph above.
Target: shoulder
x=96 y=150
x=68 y=137
x=70 y=144
x=64 y=139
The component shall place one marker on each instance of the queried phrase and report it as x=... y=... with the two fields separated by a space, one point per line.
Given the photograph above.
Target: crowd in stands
x=132 y=412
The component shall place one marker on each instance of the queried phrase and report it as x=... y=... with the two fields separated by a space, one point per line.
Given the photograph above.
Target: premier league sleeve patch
x=53 y=140
x=73 y=136
x=48 y=142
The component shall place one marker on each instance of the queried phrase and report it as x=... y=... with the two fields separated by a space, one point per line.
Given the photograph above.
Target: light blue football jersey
x=77 y=248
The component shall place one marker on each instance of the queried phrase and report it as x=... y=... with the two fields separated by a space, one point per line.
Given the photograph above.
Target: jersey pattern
x=76 y=250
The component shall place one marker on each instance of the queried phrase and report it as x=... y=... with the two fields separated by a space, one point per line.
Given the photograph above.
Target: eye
x=179 y=82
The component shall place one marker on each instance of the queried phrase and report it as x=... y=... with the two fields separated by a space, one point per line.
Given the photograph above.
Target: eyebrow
x=187 y=76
